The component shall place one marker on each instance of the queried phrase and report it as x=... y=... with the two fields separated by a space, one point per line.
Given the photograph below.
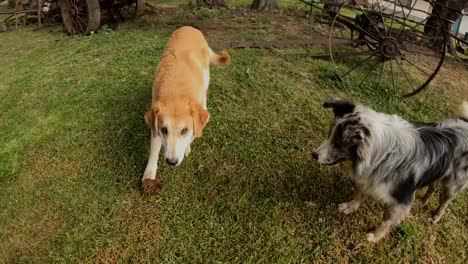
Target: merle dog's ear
x=340 y=106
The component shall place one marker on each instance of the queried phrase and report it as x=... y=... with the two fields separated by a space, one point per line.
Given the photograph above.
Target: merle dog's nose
x=172 y=161
x=315 y=155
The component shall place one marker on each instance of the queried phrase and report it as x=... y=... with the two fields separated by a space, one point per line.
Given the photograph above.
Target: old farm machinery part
x=395 y=45
x=395 y=48
x=78 y=16
x=22 y=12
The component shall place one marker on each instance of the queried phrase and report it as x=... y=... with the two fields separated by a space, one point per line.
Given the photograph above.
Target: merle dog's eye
x=164 y=130
x=183 y=131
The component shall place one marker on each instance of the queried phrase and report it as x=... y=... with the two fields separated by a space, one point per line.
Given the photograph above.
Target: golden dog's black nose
x=172 y=161
x=315 y=155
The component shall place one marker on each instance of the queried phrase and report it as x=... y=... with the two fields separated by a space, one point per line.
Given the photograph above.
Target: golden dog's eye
x=164 y=130
x=183 y=131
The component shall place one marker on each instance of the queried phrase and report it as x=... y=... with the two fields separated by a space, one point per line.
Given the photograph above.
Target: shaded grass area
x=73 y=146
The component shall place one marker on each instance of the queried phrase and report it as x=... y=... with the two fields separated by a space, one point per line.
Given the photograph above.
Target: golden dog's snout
x=172 y=161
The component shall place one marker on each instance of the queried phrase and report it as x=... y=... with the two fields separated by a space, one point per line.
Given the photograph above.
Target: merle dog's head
x=347 y=137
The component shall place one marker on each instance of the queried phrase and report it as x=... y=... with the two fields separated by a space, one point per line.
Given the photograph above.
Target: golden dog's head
x=176 y=122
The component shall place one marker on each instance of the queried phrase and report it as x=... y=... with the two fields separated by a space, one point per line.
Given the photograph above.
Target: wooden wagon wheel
x=80 y=16
x=127 y=9
x=393 y=48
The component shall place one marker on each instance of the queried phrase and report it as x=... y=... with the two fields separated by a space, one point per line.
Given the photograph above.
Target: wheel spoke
x=367 y=75
x=404 y=73
x=78 y=22
x=416 y=66
x=362 y=62
x=383 y=19
x=412 y=28
x=380 y=74
x=370 y=20
x=343 y=20
x=391 y=23
x=406 y=18
x=402 y=10
x=393 y=80
x=82 y=23
x=420 y=52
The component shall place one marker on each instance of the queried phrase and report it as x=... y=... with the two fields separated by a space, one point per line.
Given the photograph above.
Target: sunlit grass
x=73 y=147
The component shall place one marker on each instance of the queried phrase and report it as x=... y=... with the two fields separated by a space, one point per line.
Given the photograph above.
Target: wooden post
x=16 y=14
x=39 y=12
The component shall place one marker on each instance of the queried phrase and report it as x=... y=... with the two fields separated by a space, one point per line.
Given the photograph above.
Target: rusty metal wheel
x=393 y=47
x=80 y=16
x=126 y=9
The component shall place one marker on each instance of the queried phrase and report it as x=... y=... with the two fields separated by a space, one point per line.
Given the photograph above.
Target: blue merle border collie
x=391 y=158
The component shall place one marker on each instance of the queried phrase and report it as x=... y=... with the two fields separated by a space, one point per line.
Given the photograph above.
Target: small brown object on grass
x=151 y=186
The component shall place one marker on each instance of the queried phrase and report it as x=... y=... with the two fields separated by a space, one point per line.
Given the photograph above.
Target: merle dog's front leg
x=352 y=206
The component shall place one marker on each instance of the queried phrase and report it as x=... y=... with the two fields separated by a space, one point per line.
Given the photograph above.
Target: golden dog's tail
x=464 y=110
x=222 y=59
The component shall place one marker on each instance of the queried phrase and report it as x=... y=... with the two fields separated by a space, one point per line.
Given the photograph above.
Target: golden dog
x=178 y=113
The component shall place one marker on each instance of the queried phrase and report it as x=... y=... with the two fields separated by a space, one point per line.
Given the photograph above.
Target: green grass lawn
x=74 y=145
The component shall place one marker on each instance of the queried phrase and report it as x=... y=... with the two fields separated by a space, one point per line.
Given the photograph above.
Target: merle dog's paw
x=371 y=237
x=348 y=208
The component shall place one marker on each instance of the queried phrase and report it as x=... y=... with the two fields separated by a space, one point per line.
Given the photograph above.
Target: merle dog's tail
x=464 y=110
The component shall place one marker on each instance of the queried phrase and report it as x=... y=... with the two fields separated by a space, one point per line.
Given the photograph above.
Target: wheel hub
x=390 y=48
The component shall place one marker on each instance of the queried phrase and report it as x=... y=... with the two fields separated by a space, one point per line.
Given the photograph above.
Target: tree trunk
x=262 y=5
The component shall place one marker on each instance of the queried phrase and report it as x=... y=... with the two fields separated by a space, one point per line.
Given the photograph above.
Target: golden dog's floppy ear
x=150 y=119
x=200 y=118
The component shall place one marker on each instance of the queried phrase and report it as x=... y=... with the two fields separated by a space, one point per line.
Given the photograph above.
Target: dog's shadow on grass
x=312 y=183
x=127 y=136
